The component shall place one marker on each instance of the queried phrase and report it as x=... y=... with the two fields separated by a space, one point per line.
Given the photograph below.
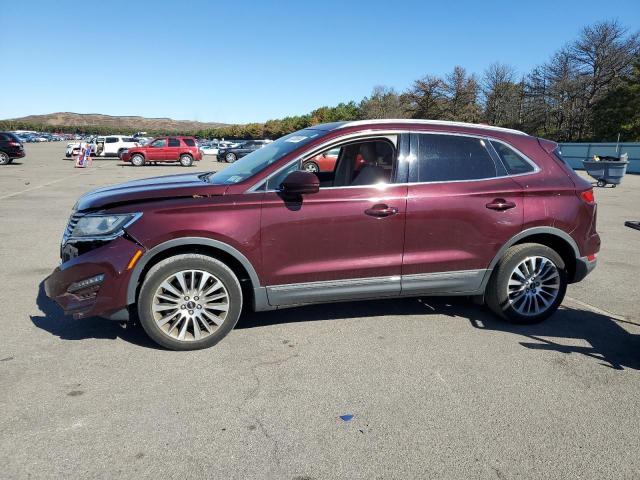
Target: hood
x=156 y=188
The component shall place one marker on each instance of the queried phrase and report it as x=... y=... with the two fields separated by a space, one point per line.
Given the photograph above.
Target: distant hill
x=123 y=123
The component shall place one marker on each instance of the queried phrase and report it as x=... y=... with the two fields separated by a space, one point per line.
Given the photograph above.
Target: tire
x=602 y=183
x=137 y=160
x=119 y=155
x=186 y=160
x=523 y=298
x=311 y=167
x=230 y=157
x=183 y=316
x=4 y=159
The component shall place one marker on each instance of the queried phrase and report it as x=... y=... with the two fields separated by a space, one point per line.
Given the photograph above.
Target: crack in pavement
x=253 y=393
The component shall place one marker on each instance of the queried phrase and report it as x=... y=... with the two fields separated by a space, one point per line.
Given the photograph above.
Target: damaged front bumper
x=95 y=283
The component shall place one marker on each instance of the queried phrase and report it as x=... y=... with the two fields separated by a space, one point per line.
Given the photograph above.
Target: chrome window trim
x=255 y=188
x=535 y=166
x=368 y=133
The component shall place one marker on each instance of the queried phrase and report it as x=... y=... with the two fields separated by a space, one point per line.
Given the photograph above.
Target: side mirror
x=300 y=183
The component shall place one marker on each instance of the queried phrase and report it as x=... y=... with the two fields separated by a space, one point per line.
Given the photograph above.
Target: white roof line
x=430 y=122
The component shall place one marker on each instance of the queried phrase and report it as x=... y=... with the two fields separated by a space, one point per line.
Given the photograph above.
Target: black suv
x=10 y=148
x=231 y=154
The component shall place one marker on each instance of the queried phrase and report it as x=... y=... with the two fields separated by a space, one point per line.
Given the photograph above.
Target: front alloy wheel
x=190 y=305
x=230 y=157
x=4 y=159
x=189 y=301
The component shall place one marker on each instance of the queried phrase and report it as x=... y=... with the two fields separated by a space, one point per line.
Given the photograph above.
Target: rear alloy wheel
x=4 y=159
x=189 y=302
x=230 y=157
x=186 y=160
x=137 y=160
x=528 y=285
x=311 y=167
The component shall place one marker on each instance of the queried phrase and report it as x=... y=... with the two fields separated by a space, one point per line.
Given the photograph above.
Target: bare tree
x=426 y=98
x=461 y=93
x=502 y=95
x=384 y=102
x=603 y=54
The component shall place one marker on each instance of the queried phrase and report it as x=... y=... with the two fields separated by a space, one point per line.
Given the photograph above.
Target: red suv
x=164 y=149
x=437 y=208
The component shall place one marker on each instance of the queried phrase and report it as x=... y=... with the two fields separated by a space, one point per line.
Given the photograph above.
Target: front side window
x=513 y=161
x=445 y=158
x=353 y=164
x=159 y=143
x=174 y=142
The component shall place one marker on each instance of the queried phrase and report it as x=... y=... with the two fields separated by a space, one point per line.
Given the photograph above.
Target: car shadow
x=567 y=331
x=54 y=321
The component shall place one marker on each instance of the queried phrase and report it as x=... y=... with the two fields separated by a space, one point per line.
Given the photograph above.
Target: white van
x=112 y=145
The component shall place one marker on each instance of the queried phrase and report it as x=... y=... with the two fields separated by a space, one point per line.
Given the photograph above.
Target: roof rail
x=430 y=122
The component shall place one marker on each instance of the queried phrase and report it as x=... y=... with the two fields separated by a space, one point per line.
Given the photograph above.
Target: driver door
x=343 y=242
x=157 y=150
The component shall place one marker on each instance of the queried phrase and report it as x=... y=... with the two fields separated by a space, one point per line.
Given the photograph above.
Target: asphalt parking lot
x=437 y=388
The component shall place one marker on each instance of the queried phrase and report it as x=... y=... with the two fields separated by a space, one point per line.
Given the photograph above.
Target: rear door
x=173 y=149
x=462 y=207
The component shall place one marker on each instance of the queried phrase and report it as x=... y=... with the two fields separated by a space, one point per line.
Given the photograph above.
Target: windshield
x=257 y=161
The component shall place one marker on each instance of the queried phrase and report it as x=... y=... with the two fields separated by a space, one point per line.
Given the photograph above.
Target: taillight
x=14 y=144
x=588 y=196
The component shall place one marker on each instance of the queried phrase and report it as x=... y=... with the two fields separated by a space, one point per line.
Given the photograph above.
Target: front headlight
x=102 y=226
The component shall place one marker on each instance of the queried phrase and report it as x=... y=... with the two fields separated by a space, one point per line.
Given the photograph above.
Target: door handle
x=381 y=210
x=500 y=204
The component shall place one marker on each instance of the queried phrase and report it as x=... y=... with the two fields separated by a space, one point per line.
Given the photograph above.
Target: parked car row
x=140 y=150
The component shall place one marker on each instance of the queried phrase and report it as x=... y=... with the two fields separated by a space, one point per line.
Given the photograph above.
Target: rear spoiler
x=547 y=145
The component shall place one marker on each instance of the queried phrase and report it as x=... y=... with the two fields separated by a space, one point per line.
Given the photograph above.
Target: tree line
x=589 y=90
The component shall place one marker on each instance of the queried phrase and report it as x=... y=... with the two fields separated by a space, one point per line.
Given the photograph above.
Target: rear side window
x=174 y=142
x=442 y=158
x=512 y=160
x=189 y=141
x=111 y=140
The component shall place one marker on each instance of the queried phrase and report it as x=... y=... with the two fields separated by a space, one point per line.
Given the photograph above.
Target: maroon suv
x=164 y=149
x=437 y=208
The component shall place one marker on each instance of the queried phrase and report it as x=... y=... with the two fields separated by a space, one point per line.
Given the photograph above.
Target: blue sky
x=247 y=61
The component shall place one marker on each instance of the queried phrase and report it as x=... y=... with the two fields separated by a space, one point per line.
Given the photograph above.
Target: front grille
x=73 y=221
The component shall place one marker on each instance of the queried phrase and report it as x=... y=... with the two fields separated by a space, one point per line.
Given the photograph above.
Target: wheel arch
x=227 y=254
x=554 y=238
